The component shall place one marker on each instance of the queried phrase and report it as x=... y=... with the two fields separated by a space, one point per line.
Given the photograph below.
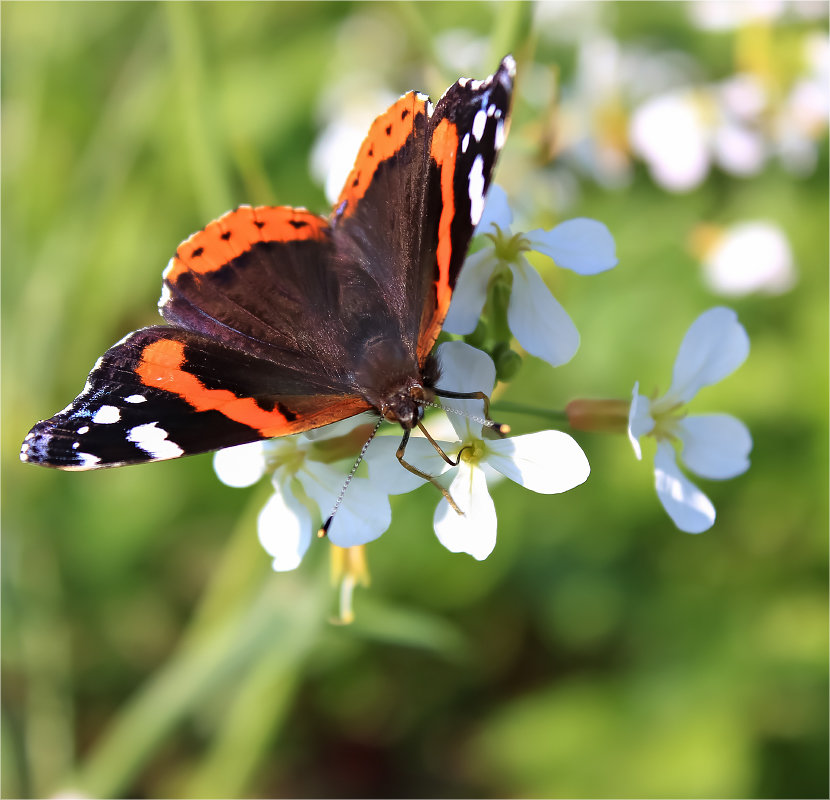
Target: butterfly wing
x=415 y=194
x=468 y=129
x=281 y=320
x=163 y=392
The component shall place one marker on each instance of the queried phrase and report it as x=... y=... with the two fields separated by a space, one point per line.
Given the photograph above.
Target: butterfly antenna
x=499 y=428
x=324 y=528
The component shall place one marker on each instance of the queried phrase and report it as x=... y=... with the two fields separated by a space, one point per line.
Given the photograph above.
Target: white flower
x=681 y=132
x=548 y=462
x=713 y=446
x=542 y=327
x=748 y=257
x=306 y=488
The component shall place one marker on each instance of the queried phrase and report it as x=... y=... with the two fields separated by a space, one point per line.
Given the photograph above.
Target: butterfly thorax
x=392 y=381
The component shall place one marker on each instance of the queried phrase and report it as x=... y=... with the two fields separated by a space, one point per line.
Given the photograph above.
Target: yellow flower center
x=472 y=452
x=665 y=419
x=507 y=247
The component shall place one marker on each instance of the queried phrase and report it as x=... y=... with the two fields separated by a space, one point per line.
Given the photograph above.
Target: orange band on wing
x=161 y=368
x=235 y=232
x=443 y=151
x=387 y=135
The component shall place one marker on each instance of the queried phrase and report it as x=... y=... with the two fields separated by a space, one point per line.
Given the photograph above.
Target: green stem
x=551 y=415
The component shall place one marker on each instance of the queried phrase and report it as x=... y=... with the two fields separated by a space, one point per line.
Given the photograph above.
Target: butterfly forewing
x=469 y=127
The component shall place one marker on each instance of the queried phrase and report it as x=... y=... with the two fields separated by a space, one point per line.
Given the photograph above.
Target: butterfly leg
x=438 y=447
x=427 y=477
x=497 y=427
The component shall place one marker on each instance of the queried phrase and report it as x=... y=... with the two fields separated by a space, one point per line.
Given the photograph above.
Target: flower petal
x=715 y=345
x=715 y=445
x=537 y=320
x=582 y=245
x=284 y=528
x=474 y=531
x=547 y=462
x=364 y=512
x=496 y=212
x=240 y=466
x=689 y=508
x=389 y=477
x=640 y=421
x=470 y=292
x=465 y=369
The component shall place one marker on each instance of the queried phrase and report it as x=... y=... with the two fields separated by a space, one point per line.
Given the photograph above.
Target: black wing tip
x=45 y=447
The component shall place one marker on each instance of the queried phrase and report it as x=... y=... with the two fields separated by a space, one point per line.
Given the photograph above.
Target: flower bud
x=605 y=416
x=507 y=361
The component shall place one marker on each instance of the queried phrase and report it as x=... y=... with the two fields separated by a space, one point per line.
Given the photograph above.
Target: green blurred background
x=148 y=649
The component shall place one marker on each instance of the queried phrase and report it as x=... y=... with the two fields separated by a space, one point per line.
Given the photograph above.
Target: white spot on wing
x=465 y=142
x=83 y=429
x=23 y=448
x=75 y=445
x=491 y=109
x=477 y=190
x=479 y=121
x=500 y=135
x=153 y=441
x=88 y=460
x=136 y=398
x=106 y=415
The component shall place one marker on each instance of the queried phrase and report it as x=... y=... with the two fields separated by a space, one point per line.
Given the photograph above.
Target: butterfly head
x=405 y=406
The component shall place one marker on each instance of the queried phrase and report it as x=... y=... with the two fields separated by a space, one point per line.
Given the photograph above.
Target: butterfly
x=280 y=320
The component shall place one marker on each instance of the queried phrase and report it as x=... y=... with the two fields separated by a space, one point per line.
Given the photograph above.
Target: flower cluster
x=315 y=473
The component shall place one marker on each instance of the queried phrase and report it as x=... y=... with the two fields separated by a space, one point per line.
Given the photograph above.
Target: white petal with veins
x=474 y=531
x=537 y=320
x=582 y=245
x=689 y=508
x=715 y=445
x=715 y=345
x=547 y=462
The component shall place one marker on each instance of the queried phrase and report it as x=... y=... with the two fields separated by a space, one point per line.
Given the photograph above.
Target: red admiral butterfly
x=281 y=320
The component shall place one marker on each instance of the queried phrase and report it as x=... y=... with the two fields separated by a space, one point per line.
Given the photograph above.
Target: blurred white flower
x=537 y=320
x=748 y=257
x=680 y=134
x=801 y=121
x=737 y=123
x=669 y=132
x=548 y=462
x=306 y=488
x=715 y=446
x=592 y=124
x=712 y=16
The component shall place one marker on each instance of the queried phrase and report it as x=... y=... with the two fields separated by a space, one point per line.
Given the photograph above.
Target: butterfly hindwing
x=163 y=392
